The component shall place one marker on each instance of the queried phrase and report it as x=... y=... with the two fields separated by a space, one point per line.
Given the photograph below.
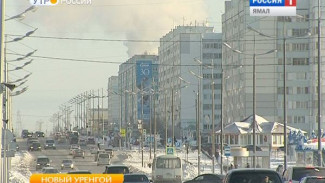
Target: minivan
x=42 y=161
x=295 y=174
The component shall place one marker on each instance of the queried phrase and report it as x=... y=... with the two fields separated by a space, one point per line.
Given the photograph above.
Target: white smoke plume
x=144 y=20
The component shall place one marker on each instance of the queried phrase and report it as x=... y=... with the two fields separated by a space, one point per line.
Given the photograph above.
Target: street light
x=284 y=82
x=254 y=92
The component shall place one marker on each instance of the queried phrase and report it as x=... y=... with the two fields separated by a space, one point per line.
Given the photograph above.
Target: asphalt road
x=62 y=152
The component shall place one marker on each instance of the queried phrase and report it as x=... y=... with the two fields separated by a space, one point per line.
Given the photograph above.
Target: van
x=295 y=174
x=103 y=159
x=167 y=168
x=42 y=161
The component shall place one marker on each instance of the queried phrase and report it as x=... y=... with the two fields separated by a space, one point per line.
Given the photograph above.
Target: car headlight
x=48 y=164
x=62 y=164
x=46 y=145
x=38 y=164
x=31 y=147
x=53 y=144
x=39 y=147
x=71 y=165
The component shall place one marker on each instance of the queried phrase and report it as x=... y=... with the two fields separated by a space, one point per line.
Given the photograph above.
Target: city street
x=62 y=152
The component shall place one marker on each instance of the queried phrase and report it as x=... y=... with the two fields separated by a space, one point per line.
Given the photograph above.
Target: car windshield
x=135 y=178
x=103 y=155
x=254 y=177
x=117 y=170
x=43 y=160
x=299 y=173
x=50 y=141
x=67 y=161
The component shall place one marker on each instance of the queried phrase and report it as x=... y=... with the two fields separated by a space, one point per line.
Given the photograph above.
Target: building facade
x=179 y=87
x=301 y=64
x=136 y=81
x=113 y=103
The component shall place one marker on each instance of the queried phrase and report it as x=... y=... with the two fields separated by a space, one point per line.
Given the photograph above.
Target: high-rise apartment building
x=301 y=62
x=183 y=51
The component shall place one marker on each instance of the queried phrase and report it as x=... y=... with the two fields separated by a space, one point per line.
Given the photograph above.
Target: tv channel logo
x=273 y=7
x=55 y=2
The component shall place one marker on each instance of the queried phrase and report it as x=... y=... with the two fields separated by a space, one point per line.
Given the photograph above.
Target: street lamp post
x=254 y=90
x=284 y=85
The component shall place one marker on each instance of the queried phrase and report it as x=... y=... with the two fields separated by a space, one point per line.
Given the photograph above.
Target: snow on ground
x=20 y=170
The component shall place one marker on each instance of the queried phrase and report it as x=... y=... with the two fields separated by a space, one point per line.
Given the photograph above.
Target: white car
x=73 y=147
x=103 y=159
x=50 y=170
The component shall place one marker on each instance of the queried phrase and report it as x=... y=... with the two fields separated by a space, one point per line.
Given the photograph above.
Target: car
x=29 y=134
x=49 y=144
x=67 y=163
x=252 y=175
x=36 y=146
x=24 y=133
x=135 y=178
x=42 y=161
x=39 y=134
x=73 y=147
x=93 y=150
x=50 y=170
x=82 y=142
x=116 y=169
x=207 y=178
x=109 y=151
x=313 y=179
x=78 y=153
x=91 y=140
x=103 y=159
x=62 y=140
x=31 y=140
x=295 y=174
x=79 y=172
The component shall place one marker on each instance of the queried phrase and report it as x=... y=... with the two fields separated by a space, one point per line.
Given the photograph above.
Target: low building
x=239 y=137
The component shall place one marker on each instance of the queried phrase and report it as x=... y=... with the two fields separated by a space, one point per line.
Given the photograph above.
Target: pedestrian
x=247 y=166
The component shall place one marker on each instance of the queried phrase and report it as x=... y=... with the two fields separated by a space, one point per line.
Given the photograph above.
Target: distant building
x=137 y=78
x=113 y=103
x=97 y=118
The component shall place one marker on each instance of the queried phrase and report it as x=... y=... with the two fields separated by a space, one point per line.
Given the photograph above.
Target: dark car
x=91 y=140
x=80 y=172
x=67 y=163
x=135 y=178
x=313 y=179
x=250 y=175
x=42 y=161
x=251 y=148
x=49 y=144
x=36 y=146
x=30 y=134
x=116 y=169
x=207 y=178
x=39 y=134
x=30 y=140
x=24 y=133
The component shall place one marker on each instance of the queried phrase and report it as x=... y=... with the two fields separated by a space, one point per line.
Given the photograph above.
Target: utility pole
x=320 y=157
x=213 y=130
x=142 y=125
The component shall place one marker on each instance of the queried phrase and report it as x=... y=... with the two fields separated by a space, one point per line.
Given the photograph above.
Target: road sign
x=178 y=144
x=144 y=132
x=170 y=150
x=122 y=132
x=227 y=151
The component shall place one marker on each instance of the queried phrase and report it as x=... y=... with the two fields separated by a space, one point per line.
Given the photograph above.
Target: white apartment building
x=177 y=53
x=113 y=103
x=301 y=62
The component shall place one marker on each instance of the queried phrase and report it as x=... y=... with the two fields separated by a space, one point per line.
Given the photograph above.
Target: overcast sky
x=53 y=81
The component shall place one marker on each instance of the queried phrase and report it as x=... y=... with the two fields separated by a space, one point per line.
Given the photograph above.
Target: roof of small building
x=262 y=126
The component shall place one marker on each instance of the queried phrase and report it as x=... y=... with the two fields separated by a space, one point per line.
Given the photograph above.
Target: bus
x=167 y=169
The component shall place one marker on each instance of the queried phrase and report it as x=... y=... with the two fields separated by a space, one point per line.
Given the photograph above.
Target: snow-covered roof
x=262 y=126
